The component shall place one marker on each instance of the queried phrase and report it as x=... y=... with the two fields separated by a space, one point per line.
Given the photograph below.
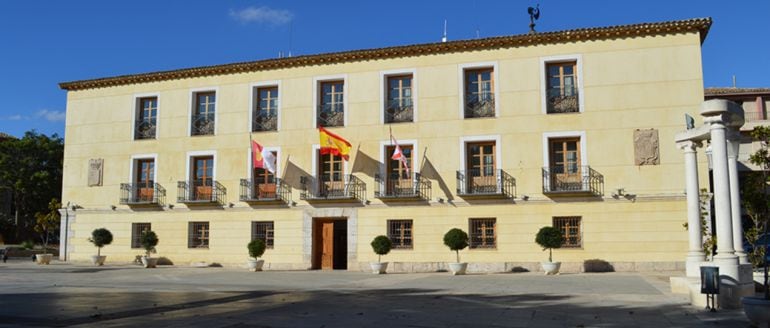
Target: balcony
x=495 y=184
x=200 y=192
x=139 y=195
x=264 y=121
x=415 y=188
x=331 y=115
x=144 y=129
x=558 y=104
x=203 y=124
x=351 y=189
x=480 y=105
x=398 y=113
x=575 y=181
x=265 y=193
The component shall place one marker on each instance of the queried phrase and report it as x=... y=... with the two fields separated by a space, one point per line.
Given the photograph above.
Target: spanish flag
x=333 y=144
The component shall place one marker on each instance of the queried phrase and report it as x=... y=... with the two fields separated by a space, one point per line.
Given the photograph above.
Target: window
x=400 y=233
x=264 y=231
x=399 y=179
x=146 y=118
x=565 y=168
x=198 y=235
x=202 y=177
x=144 y=179
x=479 y=93
x=264 y=182
x=265 y=115
x=482 y=233
x=562 y=89
x=137 y=229
x=398 y=106
x=331 y=111
x=570 y=229
x=332 y=178
x=204 y=114
x=480 y=167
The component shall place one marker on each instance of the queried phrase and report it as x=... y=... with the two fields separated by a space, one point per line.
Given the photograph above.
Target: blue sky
x=43 y=43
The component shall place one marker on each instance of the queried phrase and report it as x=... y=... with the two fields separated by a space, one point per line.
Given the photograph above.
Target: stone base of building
x=730 y=290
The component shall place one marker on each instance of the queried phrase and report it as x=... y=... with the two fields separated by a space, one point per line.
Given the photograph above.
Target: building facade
x=501 y=136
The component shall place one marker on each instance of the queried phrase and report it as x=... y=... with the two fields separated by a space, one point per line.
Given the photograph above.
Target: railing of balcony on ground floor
x=200 y=192
x=333 y=187
x=482 y=182
x=142 y=194
x=572 y=180
x=402 y=188
x=331 y=115
x=277 y=191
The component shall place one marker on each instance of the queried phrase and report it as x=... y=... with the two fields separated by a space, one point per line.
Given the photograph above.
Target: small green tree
x=256 y=248
x=46 y=223
x=100 y=238
x=381 y=245
x=456 y=240
x=148 y=240
x=549 y=238
x=756 y=201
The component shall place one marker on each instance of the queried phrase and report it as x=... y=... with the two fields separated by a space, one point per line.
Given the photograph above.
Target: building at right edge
x=573 y=129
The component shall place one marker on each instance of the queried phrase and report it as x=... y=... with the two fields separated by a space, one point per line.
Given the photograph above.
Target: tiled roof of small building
x=716 y=92
x=700 y=25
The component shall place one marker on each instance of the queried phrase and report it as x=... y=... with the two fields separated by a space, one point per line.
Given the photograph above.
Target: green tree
x=31 y=171
x=756 y=199
x=47 y=223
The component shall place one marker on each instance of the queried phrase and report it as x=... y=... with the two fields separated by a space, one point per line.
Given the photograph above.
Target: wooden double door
x=330 y=243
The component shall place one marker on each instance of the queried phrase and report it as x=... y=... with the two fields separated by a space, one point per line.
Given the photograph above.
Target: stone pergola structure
x=721 y=121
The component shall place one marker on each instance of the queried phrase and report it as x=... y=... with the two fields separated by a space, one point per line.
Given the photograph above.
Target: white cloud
x=16 y=117
x=51 y=115
x=262 y=15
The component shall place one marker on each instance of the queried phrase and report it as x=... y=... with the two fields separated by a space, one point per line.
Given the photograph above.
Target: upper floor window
x=144 y=179
x=562 y=87
x=332 y=176
x=331 y=111
x=480 y=167
x=479 y=93
x=399 y=106
x=146 y=118
x=204 y=114
x=202 y=177
x=264 y=182
x=265 y=114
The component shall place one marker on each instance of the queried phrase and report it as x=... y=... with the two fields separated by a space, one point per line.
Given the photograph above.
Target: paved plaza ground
x=63 y=294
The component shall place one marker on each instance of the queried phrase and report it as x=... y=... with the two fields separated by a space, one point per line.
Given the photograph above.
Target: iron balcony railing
x=138 y=194
x=331 y=115
x=558 y=103
x=265 y=192
x=200 y=191
x=324 y=188
x=572 y=179
x=396 y=187
x=144 y=129
x=397 y=112
x=478 y=182
x=264 y=120
x=203 y=124
x=480 y=105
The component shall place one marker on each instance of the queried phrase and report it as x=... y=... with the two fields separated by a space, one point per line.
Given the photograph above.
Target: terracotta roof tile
x=713 y=92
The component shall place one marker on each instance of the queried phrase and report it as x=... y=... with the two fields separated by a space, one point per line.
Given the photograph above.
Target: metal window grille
x=265 y=231
x=136 y=231
x=198 y=235
x=400 y=233
x=570 y=229
x=483 y=233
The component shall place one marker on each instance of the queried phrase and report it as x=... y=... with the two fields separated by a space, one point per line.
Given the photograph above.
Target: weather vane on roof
x=534 y=14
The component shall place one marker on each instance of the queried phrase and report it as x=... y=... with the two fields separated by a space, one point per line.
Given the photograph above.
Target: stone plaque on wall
x=95 y=170
x=646 y=147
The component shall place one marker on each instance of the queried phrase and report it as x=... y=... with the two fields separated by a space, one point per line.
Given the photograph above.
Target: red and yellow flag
x=333 y=144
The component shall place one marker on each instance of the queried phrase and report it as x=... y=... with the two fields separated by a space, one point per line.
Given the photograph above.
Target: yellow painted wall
x=628 y=84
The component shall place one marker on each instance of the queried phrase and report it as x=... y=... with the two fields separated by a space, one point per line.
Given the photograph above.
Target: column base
x=693 y=263
x=736 y=281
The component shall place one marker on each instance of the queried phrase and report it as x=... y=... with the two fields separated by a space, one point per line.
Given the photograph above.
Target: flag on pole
x=262 y=158
x=398 y=154
x=333 y=144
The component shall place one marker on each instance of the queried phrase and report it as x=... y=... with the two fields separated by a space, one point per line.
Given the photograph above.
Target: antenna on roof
x=291 y=29
x=534 y=14
x=477 y=33
x=733 y=80
x=443 y=38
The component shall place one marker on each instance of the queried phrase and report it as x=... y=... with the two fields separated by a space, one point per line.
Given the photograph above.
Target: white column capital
x=714 y=121
x=689 y=145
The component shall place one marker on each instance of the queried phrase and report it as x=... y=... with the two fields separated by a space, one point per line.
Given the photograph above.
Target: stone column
x=695 y=255
x=735 y=198
x=723 y=211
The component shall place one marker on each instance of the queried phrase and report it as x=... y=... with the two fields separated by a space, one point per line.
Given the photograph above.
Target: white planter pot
x=379 y=267
x=98 y=260
x=551 y=268
x=149 y=262
x=43 y=258
x=458 y=268
x=255 y=265
x=757 y=309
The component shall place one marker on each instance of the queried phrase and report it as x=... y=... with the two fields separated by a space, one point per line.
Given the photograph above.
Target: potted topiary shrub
x=256 y=249
x=457 y=240
x=149 y=240
x=381 y=246
x=100 y=238
x=550 y=238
